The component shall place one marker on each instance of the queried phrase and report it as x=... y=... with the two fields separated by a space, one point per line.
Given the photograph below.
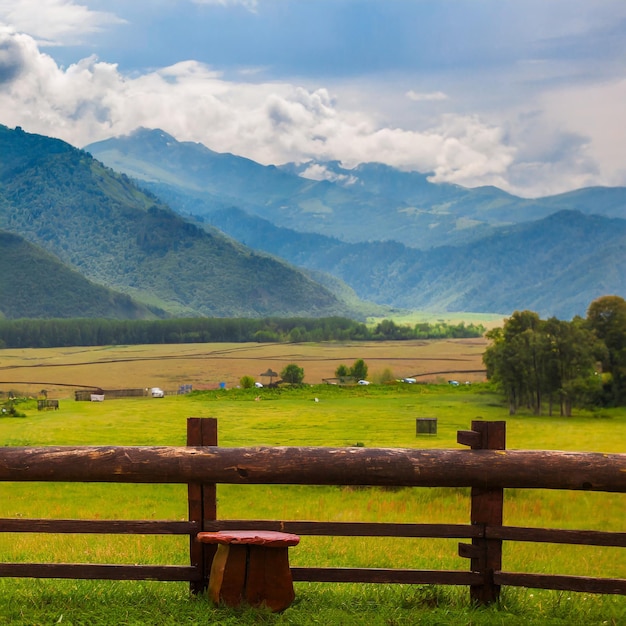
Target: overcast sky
x=528 y=95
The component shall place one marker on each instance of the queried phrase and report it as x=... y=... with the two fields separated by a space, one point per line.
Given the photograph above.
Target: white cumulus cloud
x=531 y=101
x=431 y=96
x=267 y=122
x=54 y=21
x=317 y=171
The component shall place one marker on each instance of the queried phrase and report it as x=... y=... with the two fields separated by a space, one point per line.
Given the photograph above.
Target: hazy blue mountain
x=485 y=204
x=395 y=237
x=199 y=181
x=102 y=225
x=555 y=266
x=371 y=202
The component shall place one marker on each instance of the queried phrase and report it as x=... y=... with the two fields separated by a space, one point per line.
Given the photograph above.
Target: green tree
x=292 y=374
x=513 y=360
x=342 y=371
x=570 y=365
x=246 y=382
x=359 y=369
x=297 y=334
x=534 y=360
x=388 y=329
x=606 y=316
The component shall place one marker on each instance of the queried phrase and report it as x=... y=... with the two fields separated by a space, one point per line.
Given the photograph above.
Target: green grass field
x=371 y=416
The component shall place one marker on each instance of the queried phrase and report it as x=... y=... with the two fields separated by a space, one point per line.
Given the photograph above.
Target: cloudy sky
x=528 y=95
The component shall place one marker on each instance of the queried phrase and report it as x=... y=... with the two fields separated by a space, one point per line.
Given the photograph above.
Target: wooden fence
x=487 y=468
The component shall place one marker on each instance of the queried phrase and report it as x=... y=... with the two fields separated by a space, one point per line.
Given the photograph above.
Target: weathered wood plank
x=399 y=576
x=328 y=466
x=131 y=527
x=555 y=535
x=469 y=438
x=352 y=529
x=90 y=571
x=487 y=510
x=564 y=583
x=201 y=500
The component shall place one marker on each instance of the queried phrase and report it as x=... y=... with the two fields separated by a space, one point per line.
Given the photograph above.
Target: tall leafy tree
x=535 y=360
x=342 y=371
x=359 y=369
x=522 y=334
x=292 y=373
x=606 y=316
x=570 y=366
x=503 y=368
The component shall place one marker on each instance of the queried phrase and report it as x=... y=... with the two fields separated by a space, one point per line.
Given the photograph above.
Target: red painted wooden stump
x=251 y=566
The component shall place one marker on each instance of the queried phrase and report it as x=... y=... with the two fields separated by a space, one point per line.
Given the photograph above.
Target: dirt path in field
x=208 y=365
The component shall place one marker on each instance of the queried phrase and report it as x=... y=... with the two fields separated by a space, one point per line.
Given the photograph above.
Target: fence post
x=485 y=554
x=202 y=498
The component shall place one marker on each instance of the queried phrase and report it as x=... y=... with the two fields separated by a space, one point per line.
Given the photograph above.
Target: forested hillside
x=555 y=266
x=103 y=226
x=35 y=284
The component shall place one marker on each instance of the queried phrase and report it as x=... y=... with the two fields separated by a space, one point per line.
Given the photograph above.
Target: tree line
x=51 y=333
x=539 y=363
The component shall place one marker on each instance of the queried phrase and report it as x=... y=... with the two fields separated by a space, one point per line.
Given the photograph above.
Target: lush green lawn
x=370 y=416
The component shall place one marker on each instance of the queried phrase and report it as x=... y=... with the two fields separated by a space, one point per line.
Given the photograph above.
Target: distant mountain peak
x=143 y=133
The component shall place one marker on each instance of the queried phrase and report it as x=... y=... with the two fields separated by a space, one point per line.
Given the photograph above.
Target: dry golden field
x=62 y=370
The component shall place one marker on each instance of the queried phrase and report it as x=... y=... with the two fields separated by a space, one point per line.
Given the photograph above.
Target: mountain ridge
x=370 y=202
x=468 y=269
x=217 y=255
x=98 y=222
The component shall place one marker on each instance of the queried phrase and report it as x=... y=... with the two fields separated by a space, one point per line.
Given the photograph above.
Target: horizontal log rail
x=554 y=535
x=523 y=469
x=388 y=576
x=88 y=571
x=108 y=527
x=352 y=529
x=313 y=528
x=434 y=531
x=582 y=584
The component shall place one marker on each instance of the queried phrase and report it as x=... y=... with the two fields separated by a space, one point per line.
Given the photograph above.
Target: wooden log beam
x=101 y=526
x=88 y=571
x=350 y=529
x=318 y=466
x=582 y=584
x=392 y=576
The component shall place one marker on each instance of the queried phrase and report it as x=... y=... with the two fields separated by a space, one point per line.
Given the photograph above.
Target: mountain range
x=89 y=226
x=394 y=237
x=145 y=226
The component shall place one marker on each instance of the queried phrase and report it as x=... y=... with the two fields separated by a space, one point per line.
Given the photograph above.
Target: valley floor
x=205 y=366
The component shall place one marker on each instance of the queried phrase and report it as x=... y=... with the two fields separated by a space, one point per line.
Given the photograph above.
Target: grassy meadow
x=373 y=416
